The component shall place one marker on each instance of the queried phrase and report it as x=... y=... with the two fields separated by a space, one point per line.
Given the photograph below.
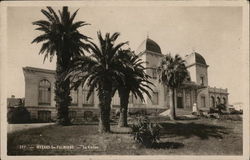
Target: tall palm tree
x=172 y=73
x=60 y=37
x=99 y=71
x=136 y=81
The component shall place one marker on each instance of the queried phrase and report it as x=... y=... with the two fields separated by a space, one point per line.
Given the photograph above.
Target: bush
x=145 y=132
x=18 y=115
x=220 y=109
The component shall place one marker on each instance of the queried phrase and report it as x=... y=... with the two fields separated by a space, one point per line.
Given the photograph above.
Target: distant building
x=238 y=106
x=39 y=89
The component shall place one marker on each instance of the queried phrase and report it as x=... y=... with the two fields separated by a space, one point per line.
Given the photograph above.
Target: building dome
x=195 y=58
x=149 y=45
x=199 y=58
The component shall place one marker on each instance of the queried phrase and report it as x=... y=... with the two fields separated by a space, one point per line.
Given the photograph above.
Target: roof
x=199 y=58
x=149 y=45
x=33 y=69
x=195 y=58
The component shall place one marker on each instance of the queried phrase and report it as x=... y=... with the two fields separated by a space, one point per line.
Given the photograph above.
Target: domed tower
x=197 y=68
x=150 y=52
x=149 y=45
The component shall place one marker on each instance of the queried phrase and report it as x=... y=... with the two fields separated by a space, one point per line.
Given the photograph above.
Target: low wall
x=87 y=112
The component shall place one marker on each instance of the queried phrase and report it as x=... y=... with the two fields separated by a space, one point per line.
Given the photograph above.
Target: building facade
x=39 y=89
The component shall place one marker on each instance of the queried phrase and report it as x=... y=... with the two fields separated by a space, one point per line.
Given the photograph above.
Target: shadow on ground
x=187 y=130
x=168 y=145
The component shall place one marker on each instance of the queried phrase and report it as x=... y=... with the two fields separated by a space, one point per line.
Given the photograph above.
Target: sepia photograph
x=125 y=79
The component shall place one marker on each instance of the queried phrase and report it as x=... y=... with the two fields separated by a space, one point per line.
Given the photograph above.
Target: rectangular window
x=203 y=101
x=44 y=93
x=130 y=100
x=90 y=101
x=154 y=73
x=202 y=80
x=155 y=98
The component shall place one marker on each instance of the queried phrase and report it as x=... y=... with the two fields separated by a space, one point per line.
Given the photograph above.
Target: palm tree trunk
x=62 y=95
x=124 y=98
x=172 y=104
x=105 y=97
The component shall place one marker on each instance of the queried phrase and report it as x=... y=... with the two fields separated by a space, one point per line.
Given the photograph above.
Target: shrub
x=221 y=107
x=145 y=132
x=18 y=115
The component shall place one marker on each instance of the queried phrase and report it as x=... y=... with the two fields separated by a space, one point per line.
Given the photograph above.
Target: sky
x=214 y=32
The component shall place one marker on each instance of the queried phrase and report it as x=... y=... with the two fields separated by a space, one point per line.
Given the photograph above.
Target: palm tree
x=61 y=37
x=136 y=81
x=99 y=71
x=172 y=73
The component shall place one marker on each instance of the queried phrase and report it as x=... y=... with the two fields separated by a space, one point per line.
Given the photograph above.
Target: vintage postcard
x=125 y=80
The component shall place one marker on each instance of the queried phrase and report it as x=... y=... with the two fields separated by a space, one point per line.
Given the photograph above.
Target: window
x=203 y=101
x=224 y=100
x=90 y=101
x=72 y=114
x=155 y=98
x=154 y=73
x=212 y=101
x=44 y=94
x=130 y=100
x=218 y=100
x=74 y=96
x=202 y=80
x=44 y=116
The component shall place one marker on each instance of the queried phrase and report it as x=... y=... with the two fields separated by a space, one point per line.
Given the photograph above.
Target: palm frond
x=56 y=18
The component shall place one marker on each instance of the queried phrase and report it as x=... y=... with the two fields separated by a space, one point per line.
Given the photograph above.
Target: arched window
x=44 y=96
x=74 y=96
x=218 y=100
x=212 y=101
x=224 y=100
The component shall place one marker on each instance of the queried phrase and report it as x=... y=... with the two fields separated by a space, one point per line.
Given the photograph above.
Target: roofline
x=34 y=69
x=205 y=65
x=150 y=52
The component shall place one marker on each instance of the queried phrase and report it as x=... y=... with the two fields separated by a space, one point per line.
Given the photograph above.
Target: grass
x=181 y=137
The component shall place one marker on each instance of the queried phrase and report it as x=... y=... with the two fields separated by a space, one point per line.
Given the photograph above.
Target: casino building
x=39 y=89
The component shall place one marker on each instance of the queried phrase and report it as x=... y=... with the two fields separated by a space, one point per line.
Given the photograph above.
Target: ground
x=181 y=137
x=19 y=127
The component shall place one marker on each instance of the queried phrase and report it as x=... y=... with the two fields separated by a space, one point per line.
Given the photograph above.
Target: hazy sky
x=214 y=32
